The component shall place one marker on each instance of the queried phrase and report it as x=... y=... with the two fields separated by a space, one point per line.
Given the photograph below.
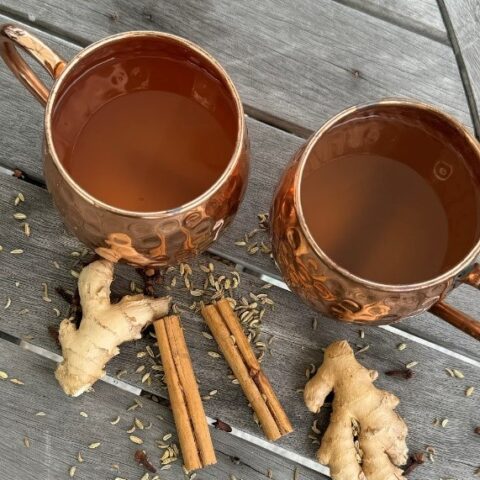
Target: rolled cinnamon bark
x=223 y=324
x=189 y=415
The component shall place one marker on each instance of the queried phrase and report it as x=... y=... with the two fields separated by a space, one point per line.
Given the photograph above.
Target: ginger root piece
x=359 y=410
x=104 y=326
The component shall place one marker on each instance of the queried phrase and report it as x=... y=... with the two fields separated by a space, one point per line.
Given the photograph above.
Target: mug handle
x=12 y=37
x=455 y=317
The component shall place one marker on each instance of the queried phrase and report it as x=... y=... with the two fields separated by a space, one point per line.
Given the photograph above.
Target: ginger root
x=104 y=326
x=359 y=410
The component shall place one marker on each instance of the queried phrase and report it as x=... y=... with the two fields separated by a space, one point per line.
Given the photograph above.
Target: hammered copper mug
x=140 y=238
x=335 y=291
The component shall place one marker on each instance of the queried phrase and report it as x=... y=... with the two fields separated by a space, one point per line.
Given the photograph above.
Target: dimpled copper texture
x=325 y=285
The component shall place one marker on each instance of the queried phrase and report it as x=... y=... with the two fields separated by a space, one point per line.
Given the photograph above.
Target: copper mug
x=337 y=292
x=140 y=238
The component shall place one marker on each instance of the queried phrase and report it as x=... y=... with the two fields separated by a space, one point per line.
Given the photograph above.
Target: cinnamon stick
x=223 y=323
x=193 y=434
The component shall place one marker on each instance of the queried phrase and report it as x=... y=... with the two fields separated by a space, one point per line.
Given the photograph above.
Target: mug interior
x=135 y=64
x=390 y=192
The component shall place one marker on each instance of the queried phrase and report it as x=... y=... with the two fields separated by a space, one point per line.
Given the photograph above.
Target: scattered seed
x=84 y=414
x=411 y=365
x=363 y=349
x=450 y=372
x=45 y=296
x=140 y=369
x=56 y=264
x=23 y=311
x=94 y=445
x=149 y=350
x=401 y=346
x=146 y=477
x=139 y=424
x=16 y=381
x=136 y=440
x=115 y=420
x=19 y=216
x=75 y=254
x=315 y=429
x=469 y=391
x=121 y=373
x=207 y=335
x=166 y=437
x=444 y=422
x=296 y=474
x=3 y=375
x=458 y=373
x=74 y=274
x=361 y=333
x=8 y=303
x=145 y=377
x=16 y=251
x=26 y=442
x=80 y=457
x=131 y=429
x=141 y=354
x=40 y=414
x=57 y=312
x=214 y=354
x=213 y=392
x=72 y=471
x=26 y=229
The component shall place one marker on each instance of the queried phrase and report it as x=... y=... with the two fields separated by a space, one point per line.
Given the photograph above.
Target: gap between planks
x=462 y=68
x=252 y=439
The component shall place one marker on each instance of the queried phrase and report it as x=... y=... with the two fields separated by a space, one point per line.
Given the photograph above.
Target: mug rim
x=445 y=276
x=214 y=187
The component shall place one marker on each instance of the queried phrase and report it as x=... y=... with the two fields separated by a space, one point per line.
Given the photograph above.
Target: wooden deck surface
x=295 y=64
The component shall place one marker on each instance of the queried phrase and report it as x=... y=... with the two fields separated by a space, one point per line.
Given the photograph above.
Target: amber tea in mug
x=146 y=151
x=390 y=198
x=145 y=133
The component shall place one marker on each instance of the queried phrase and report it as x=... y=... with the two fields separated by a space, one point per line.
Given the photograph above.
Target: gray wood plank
x=431 y=393
x=271 y=150
x=464 y=16
x=295 y=64
x=58 y=436
x=422 y=17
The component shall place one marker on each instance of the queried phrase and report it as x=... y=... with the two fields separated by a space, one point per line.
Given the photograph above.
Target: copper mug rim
x=73 y=63
x=458 y=268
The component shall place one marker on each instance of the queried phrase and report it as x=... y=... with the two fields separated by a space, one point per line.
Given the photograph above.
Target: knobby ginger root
x=103 y=328
x=359 y=410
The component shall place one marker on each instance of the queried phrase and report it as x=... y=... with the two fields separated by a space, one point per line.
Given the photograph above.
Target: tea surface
x=389 y=201
x=155 y=133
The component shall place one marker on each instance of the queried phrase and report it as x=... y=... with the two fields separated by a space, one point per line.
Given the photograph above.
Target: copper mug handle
x=12 y=37
x=454 y=316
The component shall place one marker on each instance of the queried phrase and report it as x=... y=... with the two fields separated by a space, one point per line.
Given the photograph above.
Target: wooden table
x=295 y=64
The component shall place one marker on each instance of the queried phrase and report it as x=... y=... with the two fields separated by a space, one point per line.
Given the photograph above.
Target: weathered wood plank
x=464 y=16
x=295 y=64
x=421 y=17
x=57 y=437
x=271 y=150
x=430 y=394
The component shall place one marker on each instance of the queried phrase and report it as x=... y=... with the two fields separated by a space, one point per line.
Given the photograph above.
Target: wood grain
x=271 y=151
x=56 y=438
x=464 y=20
x=431 y=393
x=421 y=17
x=295 y=64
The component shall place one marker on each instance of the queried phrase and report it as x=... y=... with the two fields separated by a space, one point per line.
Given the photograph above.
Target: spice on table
x=407 y=373
x=221 y=425
x=142 y=459
x=223 y=323
x=194 y=436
